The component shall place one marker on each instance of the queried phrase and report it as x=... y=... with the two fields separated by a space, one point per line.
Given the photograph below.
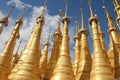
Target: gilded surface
x=63 y=69
x=54 y=54
x=6 y=55
x=27 y=67
x=85 y=60
x=115 y=37
x=100 y=67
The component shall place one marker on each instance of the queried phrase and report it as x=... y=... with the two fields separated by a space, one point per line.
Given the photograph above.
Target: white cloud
x=19 y=4
x=28 y=25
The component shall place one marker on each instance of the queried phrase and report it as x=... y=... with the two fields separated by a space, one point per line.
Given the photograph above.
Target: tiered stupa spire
x=111 y=54
x=55 y=51
x=114 y=35
x=85 y=60
x=43 y=60
x=27 y=67
x=15 y=57
x=4 y=21
x=77 y=49
x=101 y=37
x=100 y=67
x=102 y=42
x=6 y=55
x=63 y=69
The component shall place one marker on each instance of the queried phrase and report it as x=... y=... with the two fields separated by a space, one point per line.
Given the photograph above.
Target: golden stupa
x=35 y=64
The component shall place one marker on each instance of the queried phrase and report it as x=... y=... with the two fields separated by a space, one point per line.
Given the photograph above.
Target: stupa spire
x=85 y=60
x=59 y=21
x=63 y=69
x=111 y=54
x=101 y=37
x=82 y=18
x=43 y=60
x=43 y=10
x=77 y=49
x=6 y=55
x=102 y=42
x=91 y=11
x=66 y=7
x=15 y=56
x=115 y=36
x=11 y=10
x=28 y=64
x=4 y=21
x=99 y=60
x=55 y=51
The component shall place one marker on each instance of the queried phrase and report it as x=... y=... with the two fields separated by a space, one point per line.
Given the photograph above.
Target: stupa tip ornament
x=55 y=62
x=21 y=16
x=43 y=60
x=55 y=51
x=66 y=13
x=27 y=67
x=100 y=31
x=85 y=60
x=116 y=50
x=77 y=49
x=4 y=21
x=63 y=69
x=6 y=55
x=99 y=60
x=92 y=16
x=59 y=22
x=82 y=19
x=77 y=29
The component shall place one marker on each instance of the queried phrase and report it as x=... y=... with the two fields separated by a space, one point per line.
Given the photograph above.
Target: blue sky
x=53 y=7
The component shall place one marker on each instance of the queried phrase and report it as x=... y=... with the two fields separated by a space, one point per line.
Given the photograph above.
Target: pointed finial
x=60 y=12
x=77 y=26
x=106 y=10
x=99 y=27
x=47 y=42
x=66 y=8
x=104 y=7
x=82 y=17
x=23 y=12
x=91 y=11
x=13 y=6
x=59 y=20
x=44 y=6
x=115 y=2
